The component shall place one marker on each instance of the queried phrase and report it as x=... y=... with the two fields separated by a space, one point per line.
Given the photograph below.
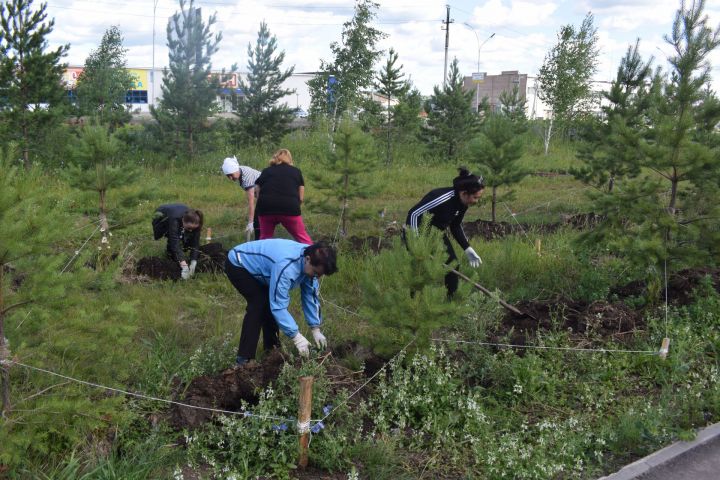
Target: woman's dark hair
x=322 y=255
x=193 y=217
x=467 y=182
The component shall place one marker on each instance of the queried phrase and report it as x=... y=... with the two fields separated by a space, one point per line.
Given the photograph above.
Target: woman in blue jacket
x=264 y=272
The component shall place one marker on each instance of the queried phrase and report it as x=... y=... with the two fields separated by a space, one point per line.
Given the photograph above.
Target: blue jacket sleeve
x=280 y=287
x=311 y=302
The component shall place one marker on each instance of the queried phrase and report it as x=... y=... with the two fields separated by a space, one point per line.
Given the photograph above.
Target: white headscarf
x=230 y=165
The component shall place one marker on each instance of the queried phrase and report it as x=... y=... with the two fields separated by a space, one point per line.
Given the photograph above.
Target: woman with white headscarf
x=246 y=177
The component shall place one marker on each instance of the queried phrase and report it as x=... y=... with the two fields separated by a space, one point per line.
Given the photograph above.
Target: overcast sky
x=524 y=31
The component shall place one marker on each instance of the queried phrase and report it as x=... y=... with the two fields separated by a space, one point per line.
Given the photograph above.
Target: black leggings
x=257 y=314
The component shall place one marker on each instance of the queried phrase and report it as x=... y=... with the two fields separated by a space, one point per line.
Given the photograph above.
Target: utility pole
x=446 y=26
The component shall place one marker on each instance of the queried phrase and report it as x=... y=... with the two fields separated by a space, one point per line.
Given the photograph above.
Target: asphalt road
x=701 y=463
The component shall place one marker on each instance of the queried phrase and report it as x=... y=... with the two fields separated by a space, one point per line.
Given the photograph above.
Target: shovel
x=489 y=293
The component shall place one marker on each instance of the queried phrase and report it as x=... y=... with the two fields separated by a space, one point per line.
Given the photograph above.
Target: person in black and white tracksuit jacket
x=447 y=206
x=245 y=176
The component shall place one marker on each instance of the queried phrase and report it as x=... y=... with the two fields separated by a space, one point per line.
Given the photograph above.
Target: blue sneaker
x=240 y=361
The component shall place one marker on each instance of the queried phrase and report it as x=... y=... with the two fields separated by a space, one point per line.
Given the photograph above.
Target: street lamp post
x=151 y=100
x=480 y=45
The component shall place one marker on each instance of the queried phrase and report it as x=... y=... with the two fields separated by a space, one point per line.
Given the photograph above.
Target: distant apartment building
x=492 y=86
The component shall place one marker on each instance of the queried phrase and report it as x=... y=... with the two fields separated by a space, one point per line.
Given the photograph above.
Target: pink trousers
x=292 y=223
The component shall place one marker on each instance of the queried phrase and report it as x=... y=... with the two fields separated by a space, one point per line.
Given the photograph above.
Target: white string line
x=542 y=347
x=147 y=397
x=77 y=252
x=339 y=307
x=516 y=220
x=367 y=382
x=576 y=349
x=84 y=226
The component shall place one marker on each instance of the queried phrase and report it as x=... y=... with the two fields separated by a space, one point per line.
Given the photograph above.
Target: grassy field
x=460 y=411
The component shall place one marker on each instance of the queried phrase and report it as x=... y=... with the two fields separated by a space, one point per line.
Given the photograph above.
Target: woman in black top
x=448 y=206
x=281 y=191
x=181 y=225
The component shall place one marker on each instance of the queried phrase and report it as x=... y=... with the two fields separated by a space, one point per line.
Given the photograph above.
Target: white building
x=148 y=91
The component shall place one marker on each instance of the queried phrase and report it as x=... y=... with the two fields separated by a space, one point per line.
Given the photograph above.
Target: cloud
x=513 y=13
x=525 y=30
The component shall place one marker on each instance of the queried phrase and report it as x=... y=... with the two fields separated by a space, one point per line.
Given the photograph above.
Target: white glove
x=301 y=344
x=185 y=272
x=320 y=339
x=193 y=264
x=473 y=258
x=250 y=227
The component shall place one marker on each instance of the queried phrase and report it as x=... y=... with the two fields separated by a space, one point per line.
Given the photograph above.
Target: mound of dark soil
x=372 y=244
x=226 y=390
x=680 y=285
x=596 y=319
x=212 y=259
x=158 y=268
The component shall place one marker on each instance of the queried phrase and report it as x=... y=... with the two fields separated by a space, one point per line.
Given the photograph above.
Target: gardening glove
x=193 y=264
x=184 y=272
x=301 y=344
x=473 y=258
x=320 y=339
x=250 y=227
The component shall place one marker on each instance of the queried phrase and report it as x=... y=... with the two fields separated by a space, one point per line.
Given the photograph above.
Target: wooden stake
x=664 y=348
x=208 y=235
x=304 y=412
x=538 y=246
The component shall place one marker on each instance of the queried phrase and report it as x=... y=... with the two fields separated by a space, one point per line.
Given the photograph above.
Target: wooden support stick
x=208 y=235
x=538 y=246
x=304 y=413
x=489 y=293
x=664 y=348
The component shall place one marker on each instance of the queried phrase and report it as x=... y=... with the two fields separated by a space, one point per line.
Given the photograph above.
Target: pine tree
x=261 y=119
x=451 y=121
x=406 y=114
x=29 y=261
x=497 y=150
x=105 y=81
x=341 y=82
x=403 y=292
x=346 y=174
x=390 y=83
x=565 y=75
x=31 y=91
x=671 y=213
x=189 y=95
x=94 y=170
x=513 y=107
x=611 y=147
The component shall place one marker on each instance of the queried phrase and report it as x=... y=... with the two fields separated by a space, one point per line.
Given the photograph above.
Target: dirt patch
x=372 y=244
x=211 y=259
x=585 y=321
x=226 y=390
x=158 y=268
x=680 y=285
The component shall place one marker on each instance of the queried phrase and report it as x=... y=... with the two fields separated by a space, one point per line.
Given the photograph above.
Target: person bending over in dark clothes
x=447 y=207
x=181 y=225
